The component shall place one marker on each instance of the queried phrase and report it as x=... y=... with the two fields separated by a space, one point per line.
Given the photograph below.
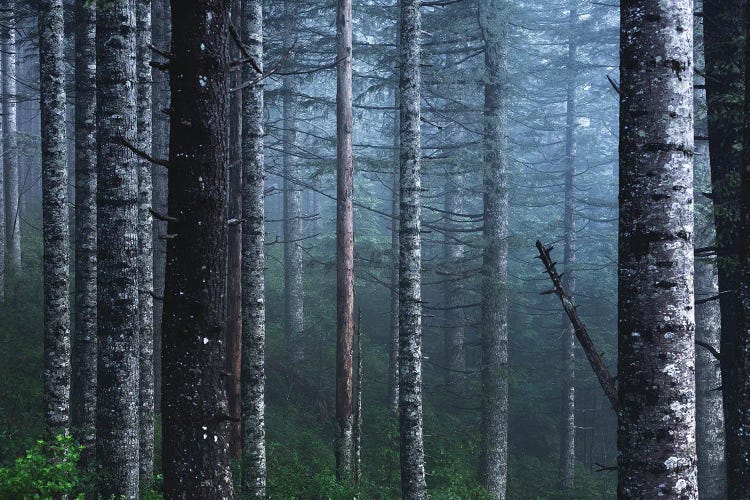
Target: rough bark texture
x=83 y=389
x=117 y=430
x=160 y=121
x=709 y=419
x=344 y=242
x=234 y=249
x=656 y=410
x=253 y=263
x=10 y=149
x=723 y=34
x=413 y=485
x=55 y=219
x=194 y=405
x=567 y=379
x=294 y=292
x=453 y=290
x=394 y=291
x=494 y=329
x=145 y=245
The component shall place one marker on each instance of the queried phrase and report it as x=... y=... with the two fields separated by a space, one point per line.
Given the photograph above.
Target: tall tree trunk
x=160 y=122
x=344 y=242
x=145 y=245
x=55 y=219
x=453 y=292
x=294 y=291
x=234 y=249
x=253 y=263
x=723 y=35
x=656 y=410
x=10 y=149
x=195 y=410
x=117 y=429
x=394 y=289
x=568 y=406
x=494 y=426
x=83 y=390
x=413 y=485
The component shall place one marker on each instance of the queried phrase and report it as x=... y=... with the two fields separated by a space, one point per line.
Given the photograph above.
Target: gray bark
x=253 y=263
x=494 y=329
x=83 y=390
x=10 y=149
x=656 y=334
x=55 y=219
x=195 y=437
x=568 y=406
x=394 y=290
x=145 y=245
x=117 y=429
x=413 y=485
x=293 y=285
x=453 y=290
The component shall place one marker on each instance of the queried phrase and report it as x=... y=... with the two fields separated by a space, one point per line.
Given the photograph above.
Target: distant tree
x=195 y=436
x=10 y=147
x=55 y=219
x=656 y=393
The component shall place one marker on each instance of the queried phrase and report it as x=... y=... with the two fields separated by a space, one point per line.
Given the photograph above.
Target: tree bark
x=344 y=242
x=413 y=485
x=494 y=425
x=54 y=219
x=117 y=428
x=145 y=244
x=568 y=402
x=253 y=264
x=83 y=390
x=10 y=148
x=293 y=284
x=234 y=250
x=394 y=289
x=194 y=405
x=453 y=290
x=656 y=410
x=723 y=35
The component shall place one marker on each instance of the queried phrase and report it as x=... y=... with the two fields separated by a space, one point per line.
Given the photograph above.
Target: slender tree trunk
x=413 y=485
x=568 y=406
x=294 y=317
x=234 y=250
x=357 y=426
x=656 y=394
x=453 y=292
x=145 y=245
x=723 y=35
x=195 y=409
x=83 y=390
x=253 y=263
x=494 y=425
x=344 y=242
x=55 y=219
x=117 y=428
x=10 y=149
x=160 y=122
x=394 y=291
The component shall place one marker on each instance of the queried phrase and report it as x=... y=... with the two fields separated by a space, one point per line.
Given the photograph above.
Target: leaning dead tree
x=606 y=380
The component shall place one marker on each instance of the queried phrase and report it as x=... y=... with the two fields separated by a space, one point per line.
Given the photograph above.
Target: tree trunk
x=453 y=290
x=394 y=289
x=294 y=303
x=55 y=219
x=234 y=249
x=195 y=410
x=413 y=485
x=253 y=264
x=344 y=242
x=160 y=122
x=10 y=149
x=568 y=402
x=83 y=390
x=145 y=244
x=723 y=35
x=656 y=410
x=494 y=426
x=117 y=428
